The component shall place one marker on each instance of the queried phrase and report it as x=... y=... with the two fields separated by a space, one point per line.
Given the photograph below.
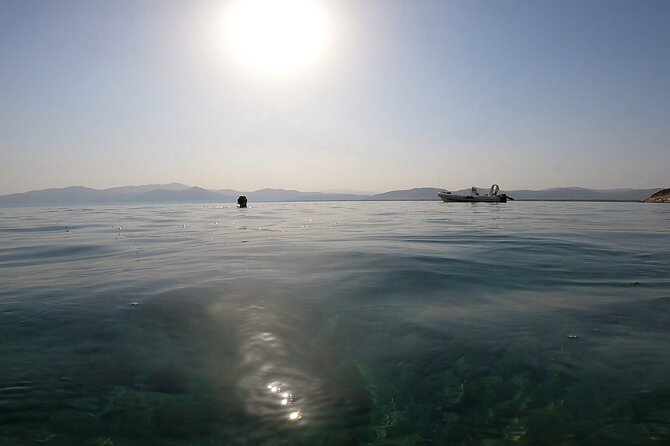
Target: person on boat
x=242 y=201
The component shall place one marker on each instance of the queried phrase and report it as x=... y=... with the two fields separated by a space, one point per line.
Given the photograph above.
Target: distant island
x=181 y=193
x=662 y=196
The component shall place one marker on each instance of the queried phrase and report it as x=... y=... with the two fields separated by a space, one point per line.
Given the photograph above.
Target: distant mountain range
x=181 y=193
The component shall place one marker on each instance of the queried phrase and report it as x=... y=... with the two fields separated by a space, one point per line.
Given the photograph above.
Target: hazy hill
x=157 y=193
x=229 y=192
x=274 y=195
x=190 y=195
x=421 y=193
x=65 y=196
x=77 y=195
x=134 y=190
x=292 y=195
x=180 y=193
x=322 y=196
x=580 y=193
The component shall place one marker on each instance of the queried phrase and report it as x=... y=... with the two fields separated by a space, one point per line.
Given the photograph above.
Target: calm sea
x=398 y=323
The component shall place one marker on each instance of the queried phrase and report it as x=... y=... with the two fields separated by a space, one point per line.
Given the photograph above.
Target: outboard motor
x=504 y=198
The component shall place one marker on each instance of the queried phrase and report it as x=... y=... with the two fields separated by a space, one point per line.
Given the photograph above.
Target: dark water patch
x=59 y=228
x=39 y=255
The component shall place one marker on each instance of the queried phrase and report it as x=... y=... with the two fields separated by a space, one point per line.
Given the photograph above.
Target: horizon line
x=352 y=192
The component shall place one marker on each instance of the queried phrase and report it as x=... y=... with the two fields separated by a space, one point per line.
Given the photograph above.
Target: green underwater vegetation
x=474 y=403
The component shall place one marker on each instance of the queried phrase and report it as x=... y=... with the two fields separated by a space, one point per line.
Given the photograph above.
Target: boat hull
x=448 y=197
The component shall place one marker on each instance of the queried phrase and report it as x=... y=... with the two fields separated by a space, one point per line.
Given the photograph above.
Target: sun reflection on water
x=285 y=399
x=277 y=391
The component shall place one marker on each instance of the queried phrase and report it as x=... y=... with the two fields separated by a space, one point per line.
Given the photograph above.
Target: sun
x=277 y=37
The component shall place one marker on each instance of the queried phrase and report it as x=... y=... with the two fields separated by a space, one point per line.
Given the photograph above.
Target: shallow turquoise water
x=397 y=323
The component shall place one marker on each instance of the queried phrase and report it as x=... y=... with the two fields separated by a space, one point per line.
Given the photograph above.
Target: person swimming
x=242 y=201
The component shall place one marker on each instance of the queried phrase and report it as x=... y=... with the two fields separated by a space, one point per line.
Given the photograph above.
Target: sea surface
x=340 y=323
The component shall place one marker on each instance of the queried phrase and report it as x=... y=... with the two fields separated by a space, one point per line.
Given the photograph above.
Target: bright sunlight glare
x=278 y=37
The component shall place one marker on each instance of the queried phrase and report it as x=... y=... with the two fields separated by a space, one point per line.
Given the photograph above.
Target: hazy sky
x=526 y=94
